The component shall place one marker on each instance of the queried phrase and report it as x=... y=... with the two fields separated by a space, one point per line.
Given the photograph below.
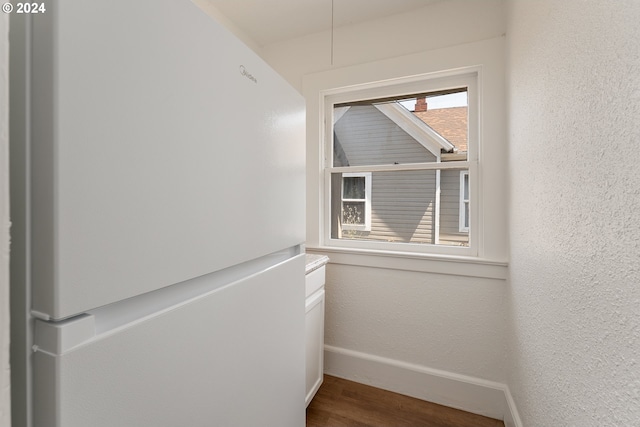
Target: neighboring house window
x=464 y=201
x=400 y=166
x=356 y=201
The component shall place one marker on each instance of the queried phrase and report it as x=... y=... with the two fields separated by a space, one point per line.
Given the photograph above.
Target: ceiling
x=270 y=21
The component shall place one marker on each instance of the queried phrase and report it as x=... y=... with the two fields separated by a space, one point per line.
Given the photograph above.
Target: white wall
x=435 y=26
x=438 y=321
x=210 y=9
x=5 y=377
x=451 y=323
x=575 y=212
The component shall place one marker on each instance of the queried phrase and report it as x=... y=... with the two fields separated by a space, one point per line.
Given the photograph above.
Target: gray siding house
x=398 y=205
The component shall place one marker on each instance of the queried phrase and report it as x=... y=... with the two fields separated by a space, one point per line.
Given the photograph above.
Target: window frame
x=367 y=201
x=468 y=78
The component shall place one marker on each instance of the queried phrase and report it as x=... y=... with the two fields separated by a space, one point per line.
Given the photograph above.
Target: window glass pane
x=365 y=135
x=450 y=206
x=353 y=213
x=448 y=116
x=466 y=186
x=466 y=214
x=414 y=129
x=404 y=206
x=354 y=187
x=403 y=209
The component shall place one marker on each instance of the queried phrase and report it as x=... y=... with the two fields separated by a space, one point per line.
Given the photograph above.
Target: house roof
x=451 y=123
x=418 y=129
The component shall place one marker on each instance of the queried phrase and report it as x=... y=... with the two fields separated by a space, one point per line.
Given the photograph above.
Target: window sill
x=426 y=263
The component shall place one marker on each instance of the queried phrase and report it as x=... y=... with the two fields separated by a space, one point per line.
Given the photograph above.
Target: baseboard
x=512 y=418
x=470 y=394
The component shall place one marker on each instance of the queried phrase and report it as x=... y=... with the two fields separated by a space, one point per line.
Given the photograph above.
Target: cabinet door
x=314 y=323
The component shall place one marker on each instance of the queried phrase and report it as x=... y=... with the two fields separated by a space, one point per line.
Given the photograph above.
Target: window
x=464 y=201
x=400 y=162
x=478 y=67
x=356 y=201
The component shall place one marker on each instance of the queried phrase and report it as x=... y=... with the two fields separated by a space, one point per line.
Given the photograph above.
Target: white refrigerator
x=158 y=197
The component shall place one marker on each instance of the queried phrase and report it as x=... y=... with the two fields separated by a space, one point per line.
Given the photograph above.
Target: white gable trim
x=338 y=112
x=416 y=128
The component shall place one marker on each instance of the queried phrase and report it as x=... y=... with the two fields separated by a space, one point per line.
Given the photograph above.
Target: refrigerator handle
x=56 y=338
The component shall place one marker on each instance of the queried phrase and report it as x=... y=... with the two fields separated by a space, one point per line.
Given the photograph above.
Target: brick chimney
x=421 y=105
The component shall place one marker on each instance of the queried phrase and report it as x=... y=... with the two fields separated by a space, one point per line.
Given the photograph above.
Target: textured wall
x=575 y=211
x=5 y=377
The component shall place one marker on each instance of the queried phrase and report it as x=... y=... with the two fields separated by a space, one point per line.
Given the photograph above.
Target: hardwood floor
x=342 y=403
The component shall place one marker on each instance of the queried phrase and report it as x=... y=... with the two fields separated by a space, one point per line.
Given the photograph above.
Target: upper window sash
x=395 y=87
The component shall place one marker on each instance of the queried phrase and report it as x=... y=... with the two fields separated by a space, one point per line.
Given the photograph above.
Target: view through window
x=399 y=170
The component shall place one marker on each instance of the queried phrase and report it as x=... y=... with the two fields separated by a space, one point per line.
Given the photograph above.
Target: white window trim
x=487 y=58
x=367 y=201
x=468 y=78
x=462 y=211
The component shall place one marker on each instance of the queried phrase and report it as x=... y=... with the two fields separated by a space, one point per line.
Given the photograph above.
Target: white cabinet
x=314 y=324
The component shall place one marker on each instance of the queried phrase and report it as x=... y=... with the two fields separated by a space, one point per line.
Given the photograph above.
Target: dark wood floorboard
x=342 y=403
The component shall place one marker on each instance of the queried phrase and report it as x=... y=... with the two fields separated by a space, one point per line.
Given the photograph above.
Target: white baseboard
x=470 y=394
x=512 y=418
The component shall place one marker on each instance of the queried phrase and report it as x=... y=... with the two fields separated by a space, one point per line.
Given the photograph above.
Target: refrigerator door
x=162 y=149
x=231 y=357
